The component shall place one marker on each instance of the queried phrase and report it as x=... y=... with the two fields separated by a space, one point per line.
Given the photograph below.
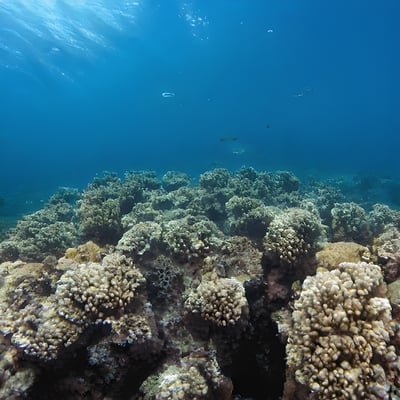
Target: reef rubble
x=242 y=285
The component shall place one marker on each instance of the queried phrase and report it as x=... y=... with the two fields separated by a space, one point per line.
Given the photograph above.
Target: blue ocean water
x=311 y=86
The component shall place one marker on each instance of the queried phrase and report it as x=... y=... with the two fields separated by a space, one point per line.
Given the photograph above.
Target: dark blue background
x=318 y=95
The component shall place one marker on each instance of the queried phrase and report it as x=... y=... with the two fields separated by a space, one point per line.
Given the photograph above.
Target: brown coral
x=92 y=291
x=222 y=301
x=333 y=254
x=339 y=344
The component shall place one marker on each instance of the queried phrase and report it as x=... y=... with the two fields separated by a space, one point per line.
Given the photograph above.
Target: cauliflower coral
x=339 y=342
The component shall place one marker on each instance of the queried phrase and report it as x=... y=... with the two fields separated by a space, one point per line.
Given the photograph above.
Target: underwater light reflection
x=77 y=28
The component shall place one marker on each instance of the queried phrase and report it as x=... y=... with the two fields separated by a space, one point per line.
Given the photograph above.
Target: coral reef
x=84 y=253
x=107 y=200
x=387 y=249
x=221 y=301
x=28 y=311
x=195 y=376
x=248 y=216
x=40 y=332
x=99 y=210
x=339 y=344
x=324 y=195
x=46 y=232
x=238 y=258
x=173 y=180
x=14 y=382
x=382 y=216
x=182 y=382
x=141 y=238
x=332 y=254
x=92 y=291
x=350 y=223
x=44 y=317
x=216 y=179
x=292 y=236
x=191 y=237
x=147 y=288
x=164 y=282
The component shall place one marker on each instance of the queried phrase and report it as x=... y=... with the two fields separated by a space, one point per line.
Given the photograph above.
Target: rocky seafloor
x=245 y=285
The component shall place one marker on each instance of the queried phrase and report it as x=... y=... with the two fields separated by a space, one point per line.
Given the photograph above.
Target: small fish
x=238 y=151
x=302 y=93
x=228 y=138
x=168 y=94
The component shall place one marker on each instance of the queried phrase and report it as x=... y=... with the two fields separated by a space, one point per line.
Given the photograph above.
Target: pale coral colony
x=246 y=285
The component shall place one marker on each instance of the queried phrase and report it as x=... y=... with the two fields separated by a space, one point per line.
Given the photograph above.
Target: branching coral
x=339 y=343
x=43 y=319
x=128 y=329
x=47 y=231
x=191 y=237
x=107 y=199
x=350 y=223
x=99 y=210
x=14 y=382
x=41 y=333
x=141 y=212
x=141 y=238
x=92 y=291
x=248 y=216
x=173 y=180
x=324 y=196
x=293 y=236
x=216 y=179
x=239 y=258
x=222 y=301
x=387 y=249
x=28 y=311
x=173 y=297
x=381 y=216
x=178 y=383
x=196 y=376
